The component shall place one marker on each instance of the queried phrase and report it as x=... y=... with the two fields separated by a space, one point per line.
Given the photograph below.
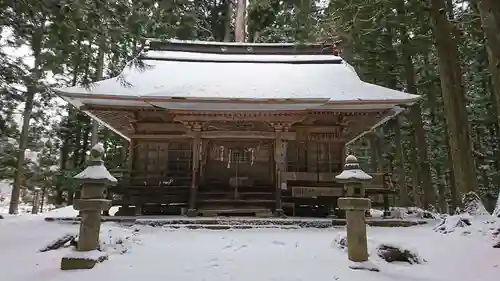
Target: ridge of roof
x=240 y=48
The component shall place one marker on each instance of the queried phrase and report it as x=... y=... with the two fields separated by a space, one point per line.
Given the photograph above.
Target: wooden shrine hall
x=236 y=128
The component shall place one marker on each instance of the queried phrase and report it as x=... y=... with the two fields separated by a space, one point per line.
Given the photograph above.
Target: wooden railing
x=302 y=186
x=152 y=189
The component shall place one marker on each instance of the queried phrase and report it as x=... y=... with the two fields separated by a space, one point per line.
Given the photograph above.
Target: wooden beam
x=245 y=135
x=256 y=135
x=217 y=135
x=242 y=116
x=160 y=126
x=116 y=108
x=320 y=128
x=160 y=136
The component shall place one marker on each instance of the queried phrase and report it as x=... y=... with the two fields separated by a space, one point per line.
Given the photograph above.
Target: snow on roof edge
x=238 y=58
x=147 y=99
x=397 y=111
x=217 y=43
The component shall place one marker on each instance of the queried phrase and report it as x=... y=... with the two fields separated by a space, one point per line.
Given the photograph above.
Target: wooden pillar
x=131 y=157
x=280 y=148
x=126 y=210
x=203 y=160
x=196 y=128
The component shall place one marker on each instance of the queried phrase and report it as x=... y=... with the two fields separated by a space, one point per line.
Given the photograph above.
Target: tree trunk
x=399 y=167
x=441 y=184
x=377 y=159
x=240 y=28
x=429 y=195
x=491 y=23
x=415 y=178
x=66 y=140
x=75 y=161
x=98 y=76
x=229 y=19
x=454 y=100
x=32 y=89
x=454 y=192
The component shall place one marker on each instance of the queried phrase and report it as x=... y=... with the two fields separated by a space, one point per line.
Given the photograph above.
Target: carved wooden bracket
x=194 y=126
x=281 y=126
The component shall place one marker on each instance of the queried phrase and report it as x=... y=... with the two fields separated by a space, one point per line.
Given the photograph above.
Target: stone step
x=229 y=226
x=237 y=201
x=293 y=222
x=214 y=211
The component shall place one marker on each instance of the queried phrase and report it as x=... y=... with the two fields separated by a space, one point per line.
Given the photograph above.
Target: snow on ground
x=140 y=252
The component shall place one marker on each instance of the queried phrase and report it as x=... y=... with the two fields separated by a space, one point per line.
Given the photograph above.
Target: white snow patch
x=496 y=212
x=354 y=174
x=245 y=255
x=98 y=172
x=99 y=147
x=473 y=205
x=451 y=223
x=70 y=212
x=375 y=213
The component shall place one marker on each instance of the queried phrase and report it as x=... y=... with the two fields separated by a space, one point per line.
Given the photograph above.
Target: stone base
x=387 y=214
x=279 y=213
x=82 y=260
x=192 y=213
x=366 y=265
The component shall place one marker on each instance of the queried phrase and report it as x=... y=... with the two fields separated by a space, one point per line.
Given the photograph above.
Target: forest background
x=447 y=51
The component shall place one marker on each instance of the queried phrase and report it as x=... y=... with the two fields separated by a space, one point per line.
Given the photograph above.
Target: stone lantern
x=94 y=180
x=355 y=206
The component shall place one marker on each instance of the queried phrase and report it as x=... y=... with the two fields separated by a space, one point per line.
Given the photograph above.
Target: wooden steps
x=225 y=195
x=236 y=201
x=222 y=200
x=232 y=212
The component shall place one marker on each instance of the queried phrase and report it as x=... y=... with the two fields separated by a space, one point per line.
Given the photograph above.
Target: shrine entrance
x=238 y=174
x=241 y=165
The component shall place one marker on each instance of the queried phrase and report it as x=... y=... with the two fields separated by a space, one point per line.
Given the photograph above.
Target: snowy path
x=244 y=255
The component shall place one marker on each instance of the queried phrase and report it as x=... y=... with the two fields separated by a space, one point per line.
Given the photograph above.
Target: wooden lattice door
x=239 y=165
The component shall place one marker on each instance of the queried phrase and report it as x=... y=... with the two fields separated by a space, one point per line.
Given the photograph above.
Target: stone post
x=94 y=180
x=36 y=201
x=355 y=205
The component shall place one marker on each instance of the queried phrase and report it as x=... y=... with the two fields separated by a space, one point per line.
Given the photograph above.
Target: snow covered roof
x=178 y=79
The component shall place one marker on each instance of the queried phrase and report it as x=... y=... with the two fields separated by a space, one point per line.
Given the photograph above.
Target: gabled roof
x=235 y=76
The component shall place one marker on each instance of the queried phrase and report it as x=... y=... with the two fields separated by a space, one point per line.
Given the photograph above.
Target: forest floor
x=147 y=252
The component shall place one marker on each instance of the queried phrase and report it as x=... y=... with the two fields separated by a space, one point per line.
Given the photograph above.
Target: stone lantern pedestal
x=355 y=206
x=94 y=180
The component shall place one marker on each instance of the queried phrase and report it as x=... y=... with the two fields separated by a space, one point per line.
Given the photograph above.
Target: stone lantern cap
x=96 y=171
x=352 y=171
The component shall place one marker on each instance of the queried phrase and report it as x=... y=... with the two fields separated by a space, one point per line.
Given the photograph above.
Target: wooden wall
x=314 y=156
x=158 y=162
